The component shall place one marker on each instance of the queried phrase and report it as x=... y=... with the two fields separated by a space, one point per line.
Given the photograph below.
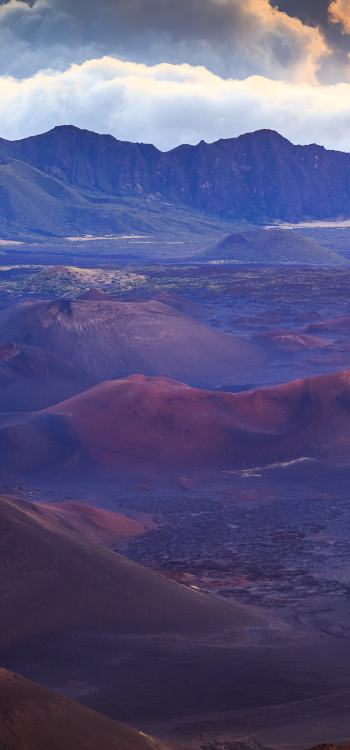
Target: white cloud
x=171 y=104
x=339 y=12
x=230 y=37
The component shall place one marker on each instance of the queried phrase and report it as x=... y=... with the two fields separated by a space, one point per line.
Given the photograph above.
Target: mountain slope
x=36 y=204
x=32 y=378
x=54 y=580
x=273 y=246
x=96 y=524
x=111 y=339
x=181 y=426
x=34 y=718
x=258 y=177
x=144 y=425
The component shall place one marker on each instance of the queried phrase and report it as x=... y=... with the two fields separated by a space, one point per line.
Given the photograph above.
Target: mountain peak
x=73 y=131
x=265 y=135
x=259 y=177
x=69 y=128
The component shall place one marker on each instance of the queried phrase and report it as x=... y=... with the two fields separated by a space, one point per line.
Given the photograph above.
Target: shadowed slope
x=34 y=718
x=36 y=205
x=34 y=202
x=115 y=339
x=54 y=580
x=32 y=378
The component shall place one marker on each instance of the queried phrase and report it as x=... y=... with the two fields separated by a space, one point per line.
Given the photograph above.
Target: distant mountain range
x=71 y=181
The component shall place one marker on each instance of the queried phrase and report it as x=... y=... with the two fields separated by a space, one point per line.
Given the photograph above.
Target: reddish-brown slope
x=287 y=340
x=159 y=422
x=341 y=323
x=55 y=580
x=96 y=524
x=145 y=424
x=116 y=339
x=33 y=718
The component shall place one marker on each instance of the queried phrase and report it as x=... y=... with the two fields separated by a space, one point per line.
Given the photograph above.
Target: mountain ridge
x=260 y=132
x=258 y=177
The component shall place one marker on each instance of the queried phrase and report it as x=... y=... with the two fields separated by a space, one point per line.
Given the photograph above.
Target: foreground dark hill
x=273 y=246
x=54 y=580
x=34 y=718
x=258 y=177
x=144 y=425
x=114 y=339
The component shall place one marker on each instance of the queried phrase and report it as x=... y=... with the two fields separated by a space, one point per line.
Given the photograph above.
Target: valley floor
x=275 y=538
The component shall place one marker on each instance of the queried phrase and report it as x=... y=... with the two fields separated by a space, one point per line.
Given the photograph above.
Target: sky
x=177 y=71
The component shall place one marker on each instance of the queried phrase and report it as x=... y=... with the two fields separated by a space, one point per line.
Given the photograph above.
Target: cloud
x=230 y=37
x=339 y=12
x=170 y=104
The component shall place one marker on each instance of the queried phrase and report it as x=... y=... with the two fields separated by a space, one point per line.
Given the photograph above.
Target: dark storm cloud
x=309 y=11
x=317 y=12
x=170 y=71
x=230 y=37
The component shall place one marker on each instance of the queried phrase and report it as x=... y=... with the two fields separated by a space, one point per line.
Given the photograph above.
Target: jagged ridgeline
x=70 y=181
